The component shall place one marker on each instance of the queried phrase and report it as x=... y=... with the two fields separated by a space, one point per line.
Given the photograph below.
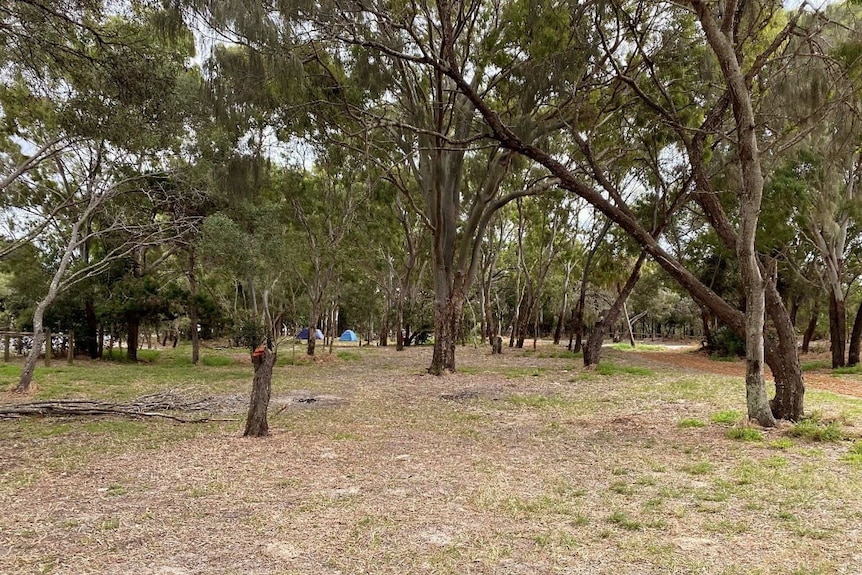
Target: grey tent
x=304 y=334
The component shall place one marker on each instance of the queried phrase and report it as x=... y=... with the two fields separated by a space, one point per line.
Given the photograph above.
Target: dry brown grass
x=519 y=464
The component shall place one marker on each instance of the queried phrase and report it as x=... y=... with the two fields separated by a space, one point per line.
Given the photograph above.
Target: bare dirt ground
x=521 y=464
x=688 y=360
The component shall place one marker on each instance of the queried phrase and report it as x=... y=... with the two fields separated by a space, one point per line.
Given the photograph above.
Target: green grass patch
x=855 y=370
x=561 y=354
x=726 y=417
x=620 y=519
x=121 y=355
x=744 y=434
x=639 y=347
x=854 y=456
x=814 y=429
x=606 y=368
x=699 y=468
x=690 y=423
x=348 y=355
x=217 y=361
x=815 y=365
x=781 y=443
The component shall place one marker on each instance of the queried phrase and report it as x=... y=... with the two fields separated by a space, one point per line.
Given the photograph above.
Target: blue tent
x=304 y=334
x=348 y=335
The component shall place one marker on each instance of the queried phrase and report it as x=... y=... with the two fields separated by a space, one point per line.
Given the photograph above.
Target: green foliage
x=725 y=343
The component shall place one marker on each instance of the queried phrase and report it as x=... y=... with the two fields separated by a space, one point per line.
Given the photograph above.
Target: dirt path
x=685 y=359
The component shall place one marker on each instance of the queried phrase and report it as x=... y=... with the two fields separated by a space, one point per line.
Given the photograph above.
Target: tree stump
x=256 y=425
x=496 y=345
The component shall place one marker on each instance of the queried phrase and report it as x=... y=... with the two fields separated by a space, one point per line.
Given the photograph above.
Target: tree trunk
x=783 y=360
x=794 y=309
x=707 y=331
x=256 y=424
x=855 y=337
x=447 y=321
x=133 y=320
x=90 y=339
x=399 y=327
x=721 y=40
x=837 y=328
x=593 y=349
x=812 y=327
x=628 y=325
x=33 y=357
x=384 y=329
x=193 y=308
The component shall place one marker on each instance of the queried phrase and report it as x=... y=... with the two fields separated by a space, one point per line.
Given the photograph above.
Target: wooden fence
x=8 y=336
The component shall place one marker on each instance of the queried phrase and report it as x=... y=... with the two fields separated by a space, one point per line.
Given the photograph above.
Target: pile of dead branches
x=152 y=405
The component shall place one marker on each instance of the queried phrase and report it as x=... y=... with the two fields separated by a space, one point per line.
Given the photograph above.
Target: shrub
x=725 y=343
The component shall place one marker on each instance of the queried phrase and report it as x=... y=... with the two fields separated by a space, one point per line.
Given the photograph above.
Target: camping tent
x=348 y=335
x=304 y=334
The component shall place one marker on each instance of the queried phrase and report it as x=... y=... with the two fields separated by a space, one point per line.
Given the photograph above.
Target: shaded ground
x=689 y=360
x=520 y=464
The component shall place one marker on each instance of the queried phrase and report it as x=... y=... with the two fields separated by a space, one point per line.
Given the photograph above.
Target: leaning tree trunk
x=837 y=328
x=33 y=357
x=593 y=349
x=256 y=424
x=855 y=337
x=811 y=328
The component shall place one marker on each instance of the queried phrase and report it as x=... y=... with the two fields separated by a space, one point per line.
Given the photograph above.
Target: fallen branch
x=153 y=405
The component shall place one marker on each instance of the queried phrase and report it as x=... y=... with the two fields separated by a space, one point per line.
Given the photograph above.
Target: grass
x=726 y=417
x=855 y=370
x=639 y=347
x=854 y=455
x=537 y=474
x=815 y=429
x=816 y=365
x=744 y=434
x=217 y=361
x=537 y=401
x=607 y=368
